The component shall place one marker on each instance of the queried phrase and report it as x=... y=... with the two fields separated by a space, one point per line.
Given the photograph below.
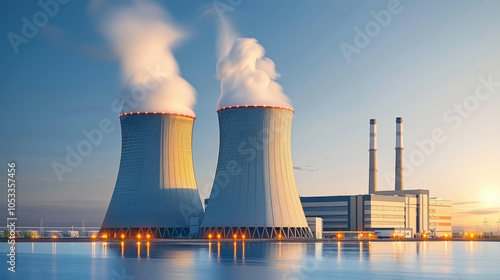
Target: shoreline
x=197 y=241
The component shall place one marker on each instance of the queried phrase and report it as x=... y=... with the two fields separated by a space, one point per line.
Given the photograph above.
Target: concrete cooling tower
x=155 y=191
x=254 y=193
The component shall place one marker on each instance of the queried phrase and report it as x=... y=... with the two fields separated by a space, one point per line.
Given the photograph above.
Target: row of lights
x=469 y=235
x=397 y=236
x=105 y=236
x=360 y=235
x=235 y=236
x=254 y=106
x=155 y=113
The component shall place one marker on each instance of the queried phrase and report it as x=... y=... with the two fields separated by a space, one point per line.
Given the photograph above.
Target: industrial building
x=254 y=192
x=440 y=216
x=155 y=193
x=413 y=212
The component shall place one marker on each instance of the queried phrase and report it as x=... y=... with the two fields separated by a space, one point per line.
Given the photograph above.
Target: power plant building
x=398 y=210
x=440 y=216
x=254 y=192
x=155 y=192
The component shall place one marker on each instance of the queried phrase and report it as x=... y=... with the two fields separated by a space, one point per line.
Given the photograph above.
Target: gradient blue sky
x=426 y=60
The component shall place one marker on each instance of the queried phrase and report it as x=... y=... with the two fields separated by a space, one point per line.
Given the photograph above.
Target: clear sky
x=434 y=63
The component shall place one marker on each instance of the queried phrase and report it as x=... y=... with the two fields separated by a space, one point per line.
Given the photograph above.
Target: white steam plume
x=142 y=37
x=247 y=77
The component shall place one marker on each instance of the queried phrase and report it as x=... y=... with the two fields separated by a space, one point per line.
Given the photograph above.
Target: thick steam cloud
x=247 y=76
x=142 y=37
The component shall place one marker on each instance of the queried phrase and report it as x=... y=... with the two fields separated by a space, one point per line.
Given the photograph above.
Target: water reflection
x=318 y=251
x=234 y=251
x=218 y=251
x=266 y=260
x=339 y=251
x=243 y=252
x=104 y=248
x=93 y=249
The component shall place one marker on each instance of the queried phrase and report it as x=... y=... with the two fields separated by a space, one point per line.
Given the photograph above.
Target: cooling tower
x=372 y=181
x=155 y=191
x=254 y=193
x=399 y=155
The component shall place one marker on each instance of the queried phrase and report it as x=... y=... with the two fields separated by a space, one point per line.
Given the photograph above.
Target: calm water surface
x=256 y=260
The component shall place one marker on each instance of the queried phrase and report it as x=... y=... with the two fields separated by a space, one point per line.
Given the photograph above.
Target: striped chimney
x=399 y=155
x=372 y=186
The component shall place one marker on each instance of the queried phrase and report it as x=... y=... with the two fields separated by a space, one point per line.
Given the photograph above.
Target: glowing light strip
x=253 y=106
x=156 y=113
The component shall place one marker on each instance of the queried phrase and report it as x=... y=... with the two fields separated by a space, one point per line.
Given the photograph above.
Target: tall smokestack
x=372 y=187
x=399 y=155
